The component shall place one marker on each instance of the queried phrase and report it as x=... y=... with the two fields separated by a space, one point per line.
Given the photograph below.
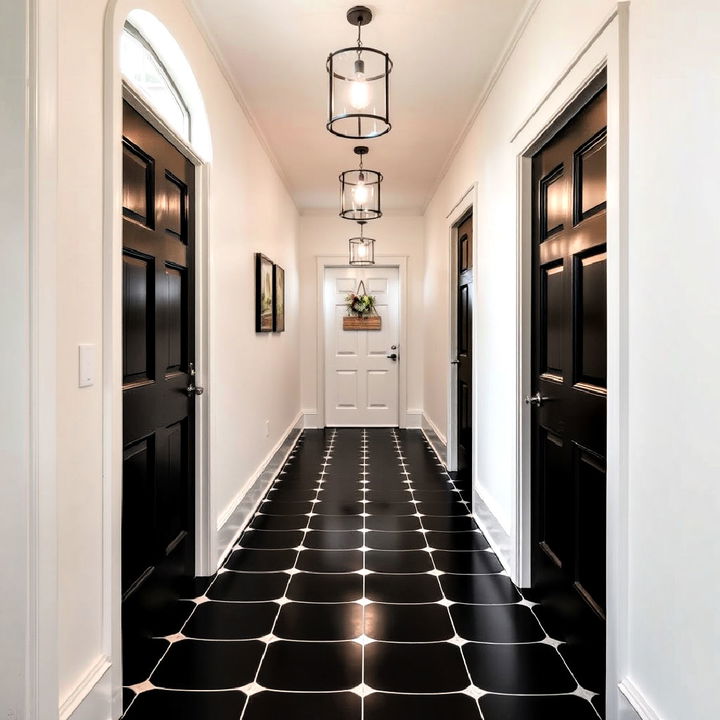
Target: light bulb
x=362 y=251
x=361 y=193
x=359 y=89
x=359 y=92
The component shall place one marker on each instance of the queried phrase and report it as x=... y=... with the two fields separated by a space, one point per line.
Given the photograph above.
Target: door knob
x=392 y=356
x=193 y=389
x=537 y=399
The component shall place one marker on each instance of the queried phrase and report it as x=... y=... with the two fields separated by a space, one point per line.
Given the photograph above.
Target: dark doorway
x=463 y=339
x=569 y=328
x=158 y=376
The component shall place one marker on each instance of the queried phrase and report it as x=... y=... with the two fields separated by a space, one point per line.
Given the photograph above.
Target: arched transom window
x=146 y=73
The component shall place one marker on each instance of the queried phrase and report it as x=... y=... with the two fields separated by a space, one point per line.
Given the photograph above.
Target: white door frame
x=116 y=89
x=466 y=204
x=340 y=261
x=605 y=50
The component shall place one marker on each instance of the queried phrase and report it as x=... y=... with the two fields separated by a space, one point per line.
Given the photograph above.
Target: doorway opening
x=362 y=367
x=568 y=389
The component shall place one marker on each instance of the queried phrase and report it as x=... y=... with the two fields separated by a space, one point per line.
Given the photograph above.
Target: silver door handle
x=454 y=362
x=537 y=399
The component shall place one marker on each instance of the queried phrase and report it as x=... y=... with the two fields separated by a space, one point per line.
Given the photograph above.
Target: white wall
x=673 y=644
x=327 y=235
x=251 y=377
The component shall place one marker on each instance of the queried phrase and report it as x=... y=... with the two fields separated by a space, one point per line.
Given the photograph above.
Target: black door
x=464 y=345
x=569 y=384
x=158 y=343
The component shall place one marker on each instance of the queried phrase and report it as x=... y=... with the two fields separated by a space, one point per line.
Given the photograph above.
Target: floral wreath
x=359 y=303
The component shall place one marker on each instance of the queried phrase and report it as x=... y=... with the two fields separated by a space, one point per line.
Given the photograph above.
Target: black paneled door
x=464 y=256
x=158 y=345
x=569 y=383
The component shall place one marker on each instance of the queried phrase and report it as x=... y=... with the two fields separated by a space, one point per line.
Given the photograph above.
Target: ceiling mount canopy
x=359 y=80
x=362 y=249
x=360 y=191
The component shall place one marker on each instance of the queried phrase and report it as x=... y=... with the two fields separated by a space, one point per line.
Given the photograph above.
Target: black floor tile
x=480 y=563
x=140 y=656
x=383 y=706
x=338 y=507
x=336 y=522
x=325 y=587
x=255 y=587
x=155 y=704
x=451 y=523
x=203 y=665
x=315 y=666
x=271 y=540
x=302 y=706
x=272 y=507
x=279 y=522
x=443 y=508
x=393 y=523
x=415 y=668
x=408 y=623
x=396 y=508
x=480 y=589
x=418 y=588
x=508 y=707
x=334 y=540
x=261 y=560
x=496 y=623
x=395 y=540
x=410 y=561
x=303 y=621
x=231 y=621
x=469 y=540
x=518 y=669
x=330 y=561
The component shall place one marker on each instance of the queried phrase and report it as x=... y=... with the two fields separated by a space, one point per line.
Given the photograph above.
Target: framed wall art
x=264 y=307
x=278 y=299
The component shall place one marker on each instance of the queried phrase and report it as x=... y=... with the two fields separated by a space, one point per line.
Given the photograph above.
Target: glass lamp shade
x=359 y=89
x=362 y=251
x=360 y=194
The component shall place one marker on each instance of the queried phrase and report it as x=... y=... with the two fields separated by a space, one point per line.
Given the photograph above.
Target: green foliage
x=360 y=305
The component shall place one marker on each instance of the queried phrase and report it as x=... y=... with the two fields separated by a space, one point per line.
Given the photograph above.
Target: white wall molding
x=236 y=515
x=637 y=700
x=413 y=419
x=90 y=698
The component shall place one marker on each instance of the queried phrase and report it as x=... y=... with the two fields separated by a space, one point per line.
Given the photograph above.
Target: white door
x=361 y=381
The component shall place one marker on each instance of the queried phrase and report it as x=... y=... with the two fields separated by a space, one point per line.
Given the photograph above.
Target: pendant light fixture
x=360 y=191
x=362 y=249
x=359 y=86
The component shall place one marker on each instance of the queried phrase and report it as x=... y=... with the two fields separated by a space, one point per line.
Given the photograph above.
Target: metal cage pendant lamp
x=362 y=249
x=360 y=191
x=359 y=80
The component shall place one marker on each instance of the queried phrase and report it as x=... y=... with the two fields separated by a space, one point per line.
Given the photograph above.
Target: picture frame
x=264 y=294
x=278 y=299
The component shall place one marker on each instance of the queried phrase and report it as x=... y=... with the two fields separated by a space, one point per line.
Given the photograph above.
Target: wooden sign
x=371 y=322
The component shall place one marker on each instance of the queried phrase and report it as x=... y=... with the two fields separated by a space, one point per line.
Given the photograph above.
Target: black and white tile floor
x=362 y=589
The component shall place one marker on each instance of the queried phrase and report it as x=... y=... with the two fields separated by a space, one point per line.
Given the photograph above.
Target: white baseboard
x=494 y=531
x=413 y=419
x=232 y=521
x=637 y=700
x=90 y=700
x=311 y=419
x=434 y=428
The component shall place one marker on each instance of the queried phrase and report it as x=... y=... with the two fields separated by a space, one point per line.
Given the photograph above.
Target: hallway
x=363 y=589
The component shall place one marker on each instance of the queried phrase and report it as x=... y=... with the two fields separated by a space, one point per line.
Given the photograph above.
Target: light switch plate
x=86 y=365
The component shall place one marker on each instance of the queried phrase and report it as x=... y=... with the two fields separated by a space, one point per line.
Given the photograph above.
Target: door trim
x=116 y=90
x=339 y=261
x=605 y=52
x=466 y=205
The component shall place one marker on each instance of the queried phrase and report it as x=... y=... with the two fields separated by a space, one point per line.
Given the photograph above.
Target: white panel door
x=361 y=381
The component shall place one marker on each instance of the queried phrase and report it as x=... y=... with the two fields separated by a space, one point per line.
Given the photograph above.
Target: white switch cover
x=86 y=366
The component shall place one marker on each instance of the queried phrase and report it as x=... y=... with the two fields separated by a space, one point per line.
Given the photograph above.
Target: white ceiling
x=444 y=51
